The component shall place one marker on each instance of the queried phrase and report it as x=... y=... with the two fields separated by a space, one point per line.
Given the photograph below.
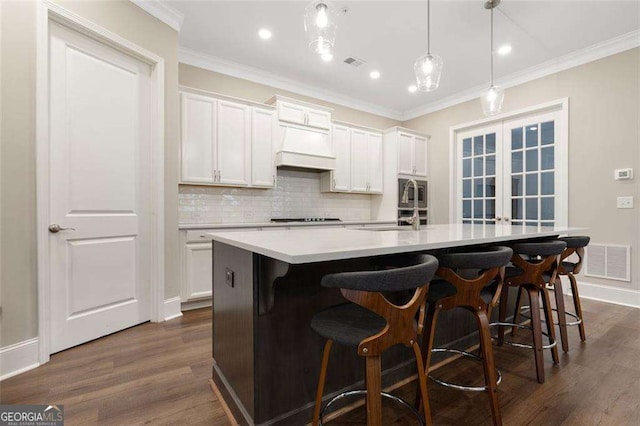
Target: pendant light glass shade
x=492 y=100
x=320 y=18
x=428 y=69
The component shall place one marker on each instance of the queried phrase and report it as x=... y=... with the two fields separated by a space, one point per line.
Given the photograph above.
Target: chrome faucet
x=415 y=219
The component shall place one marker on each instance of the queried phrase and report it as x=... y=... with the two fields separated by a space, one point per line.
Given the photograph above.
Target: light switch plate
x=625 y=202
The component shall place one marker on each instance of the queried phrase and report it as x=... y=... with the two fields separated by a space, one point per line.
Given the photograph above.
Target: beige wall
x=18 y=285
x=604 y=120
x=231 y=86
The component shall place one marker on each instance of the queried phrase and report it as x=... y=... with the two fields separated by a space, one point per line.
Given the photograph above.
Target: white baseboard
x=606 y=293
x=172 y=308
x=196 y=304
x=18 y=358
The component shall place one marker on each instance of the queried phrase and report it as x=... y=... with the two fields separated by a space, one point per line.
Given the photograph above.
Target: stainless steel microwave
x=422 y=194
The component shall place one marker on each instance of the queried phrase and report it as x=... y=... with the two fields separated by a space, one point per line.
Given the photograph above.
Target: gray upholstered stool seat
x=347 y=324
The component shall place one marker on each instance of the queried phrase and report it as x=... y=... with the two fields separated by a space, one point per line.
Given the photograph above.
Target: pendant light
x=320 y=26
x=493 y=98
x=428 y=68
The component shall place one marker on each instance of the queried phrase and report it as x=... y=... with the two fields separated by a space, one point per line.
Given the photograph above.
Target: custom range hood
x=303 y=136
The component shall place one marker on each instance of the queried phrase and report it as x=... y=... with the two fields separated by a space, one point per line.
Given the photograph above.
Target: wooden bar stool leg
x=548 y=313
x=489 y=366
x=321 y=380
x=516 y=312
x=374 y=387
x=502 y=313
x=428 y=335
x=422 y=381
x=562 y=318
x=536 y=331
x=577 y=305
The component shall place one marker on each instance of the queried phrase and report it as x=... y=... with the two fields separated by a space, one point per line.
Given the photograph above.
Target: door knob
x=55 y=228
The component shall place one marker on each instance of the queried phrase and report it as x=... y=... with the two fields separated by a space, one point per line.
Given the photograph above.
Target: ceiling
x=390 y=35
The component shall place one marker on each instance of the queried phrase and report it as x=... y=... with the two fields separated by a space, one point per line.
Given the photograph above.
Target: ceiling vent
x=354 y=62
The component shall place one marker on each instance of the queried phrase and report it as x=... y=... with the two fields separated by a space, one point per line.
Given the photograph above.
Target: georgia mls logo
x=31 y=415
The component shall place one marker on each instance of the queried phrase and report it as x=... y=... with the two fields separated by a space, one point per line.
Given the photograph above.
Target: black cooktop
x=306 y=219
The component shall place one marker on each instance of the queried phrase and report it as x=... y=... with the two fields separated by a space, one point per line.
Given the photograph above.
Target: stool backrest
x=477 y=258
x=542 y=248
x=575 y=244
x=386 y=280
x=533 y=268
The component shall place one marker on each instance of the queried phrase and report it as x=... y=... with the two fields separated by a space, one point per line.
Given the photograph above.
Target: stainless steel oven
x=422 y=194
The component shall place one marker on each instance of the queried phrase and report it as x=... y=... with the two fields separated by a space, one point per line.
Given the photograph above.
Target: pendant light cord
x=428 y=27
x=491 y=76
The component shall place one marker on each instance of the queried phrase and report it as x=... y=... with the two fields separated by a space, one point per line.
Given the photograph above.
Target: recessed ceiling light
x=375 y=74
x=327 y=57
x=413 y=88
x=264 y=34
x=504 y=49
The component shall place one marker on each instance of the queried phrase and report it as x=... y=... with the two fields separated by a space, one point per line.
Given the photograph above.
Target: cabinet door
x=342 y=148
x=233 y=143
x=405 y=154
x=197 y=139
x=358 y=160
x=375 y=163
x=262 y=162
x=198 y=270
x=292 y=113
x=420 y=156
x=320 y=119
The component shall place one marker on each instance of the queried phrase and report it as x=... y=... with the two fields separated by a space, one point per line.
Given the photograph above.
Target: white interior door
x=479 y=171
x=99 y=186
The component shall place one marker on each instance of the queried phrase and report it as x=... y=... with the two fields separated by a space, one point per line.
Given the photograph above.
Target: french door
x=513 y=172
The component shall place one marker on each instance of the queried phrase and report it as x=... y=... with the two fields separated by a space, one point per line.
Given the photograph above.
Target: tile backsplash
x=297 y=195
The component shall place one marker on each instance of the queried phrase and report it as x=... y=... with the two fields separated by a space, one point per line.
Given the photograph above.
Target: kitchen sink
x=391 y=228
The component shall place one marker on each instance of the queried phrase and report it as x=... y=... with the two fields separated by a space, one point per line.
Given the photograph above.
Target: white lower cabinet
x=198 y=271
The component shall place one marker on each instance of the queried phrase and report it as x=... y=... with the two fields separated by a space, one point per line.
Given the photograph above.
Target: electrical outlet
x=229 y=277
x=625 y=202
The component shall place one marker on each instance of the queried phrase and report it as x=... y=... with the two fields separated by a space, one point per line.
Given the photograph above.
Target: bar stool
x=575 y=245
x=527 y=275
x=372 y=324
x=464 y=280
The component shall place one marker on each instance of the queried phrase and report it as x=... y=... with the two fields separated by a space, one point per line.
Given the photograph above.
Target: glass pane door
x=479 y=166
x=531 y=181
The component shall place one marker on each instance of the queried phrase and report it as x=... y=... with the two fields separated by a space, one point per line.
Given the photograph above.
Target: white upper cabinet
x=263 y=172
x=226 y=143
x=412 y=154
x=198 y=138
x=298 y=112
x=233 y=143
x=375 y=163
x=341 y=180
x=359 y=161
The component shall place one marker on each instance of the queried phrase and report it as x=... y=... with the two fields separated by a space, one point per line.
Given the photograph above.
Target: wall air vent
x=608 y=261
x=354 y=62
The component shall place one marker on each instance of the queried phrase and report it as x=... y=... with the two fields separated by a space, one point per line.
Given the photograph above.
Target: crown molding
x=234 y=69
x=579 y=57
x=162 y=11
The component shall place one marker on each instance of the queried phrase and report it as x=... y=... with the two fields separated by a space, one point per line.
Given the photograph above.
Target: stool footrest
x=571 y=314
x=364 y=392
x=552 y=342
x=459 y=386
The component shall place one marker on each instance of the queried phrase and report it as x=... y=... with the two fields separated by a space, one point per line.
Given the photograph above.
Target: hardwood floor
x=158 y=374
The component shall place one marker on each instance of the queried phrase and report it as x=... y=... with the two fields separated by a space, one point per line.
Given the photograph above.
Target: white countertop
x=281 y=224
x=306 y=245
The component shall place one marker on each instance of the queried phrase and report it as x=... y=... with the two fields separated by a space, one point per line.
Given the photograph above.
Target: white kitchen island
x=266 y=289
